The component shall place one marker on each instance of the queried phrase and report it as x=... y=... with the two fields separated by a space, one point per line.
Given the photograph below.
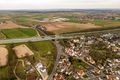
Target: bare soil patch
x=3 y=56
x=66 y=25
x=9 y=25
x=22 y=51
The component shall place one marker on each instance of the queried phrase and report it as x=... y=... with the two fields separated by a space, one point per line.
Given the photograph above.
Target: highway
x=50 y=37
x=31 y=39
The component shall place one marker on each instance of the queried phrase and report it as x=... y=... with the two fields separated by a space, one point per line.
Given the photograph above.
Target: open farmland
x=74 y=22
x=9 y=25
x=59 y=27
x=24 y=21
x=22 y=18
x=106 y=23
x=97 y=22
x=19 y=32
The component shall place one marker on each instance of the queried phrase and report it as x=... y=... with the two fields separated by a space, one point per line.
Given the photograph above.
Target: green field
x=4 y=73
x=24 y=21
x=2 y=36
x=40 y=17
x=106 y=23
x=20 y=70
x=103 y=23
x=19 y=33
x=22 y=18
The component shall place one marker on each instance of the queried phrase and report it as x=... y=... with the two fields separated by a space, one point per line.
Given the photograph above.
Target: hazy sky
x=58 y=4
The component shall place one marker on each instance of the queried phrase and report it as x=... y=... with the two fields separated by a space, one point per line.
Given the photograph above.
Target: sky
x=59 y=4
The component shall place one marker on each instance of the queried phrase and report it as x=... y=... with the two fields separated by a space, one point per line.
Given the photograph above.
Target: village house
x=59 y=77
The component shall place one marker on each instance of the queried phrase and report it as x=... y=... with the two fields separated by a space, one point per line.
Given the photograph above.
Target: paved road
x=59 y=53
x=50 y=37
x=31 y=39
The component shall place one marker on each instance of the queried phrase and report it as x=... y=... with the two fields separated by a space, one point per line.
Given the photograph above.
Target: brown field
x=5 y=17
x=66 y=26
x=22 y=51
x=9 y=25
x=3 y=56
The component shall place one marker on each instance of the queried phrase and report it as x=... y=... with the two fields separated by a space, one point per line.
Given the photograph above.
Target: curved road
x=59 y=53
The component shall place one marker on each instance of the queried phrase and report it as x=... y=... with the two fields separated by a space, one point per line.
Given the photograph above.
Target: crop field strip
x=19 y=33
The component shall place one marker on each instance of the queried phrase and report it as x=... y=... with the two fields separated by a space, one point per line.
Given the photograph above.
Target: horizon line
x=63 y=9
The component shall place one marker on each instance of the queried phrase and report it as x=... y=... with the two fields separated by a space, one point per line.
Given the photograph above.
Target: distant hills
x=64 y=10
